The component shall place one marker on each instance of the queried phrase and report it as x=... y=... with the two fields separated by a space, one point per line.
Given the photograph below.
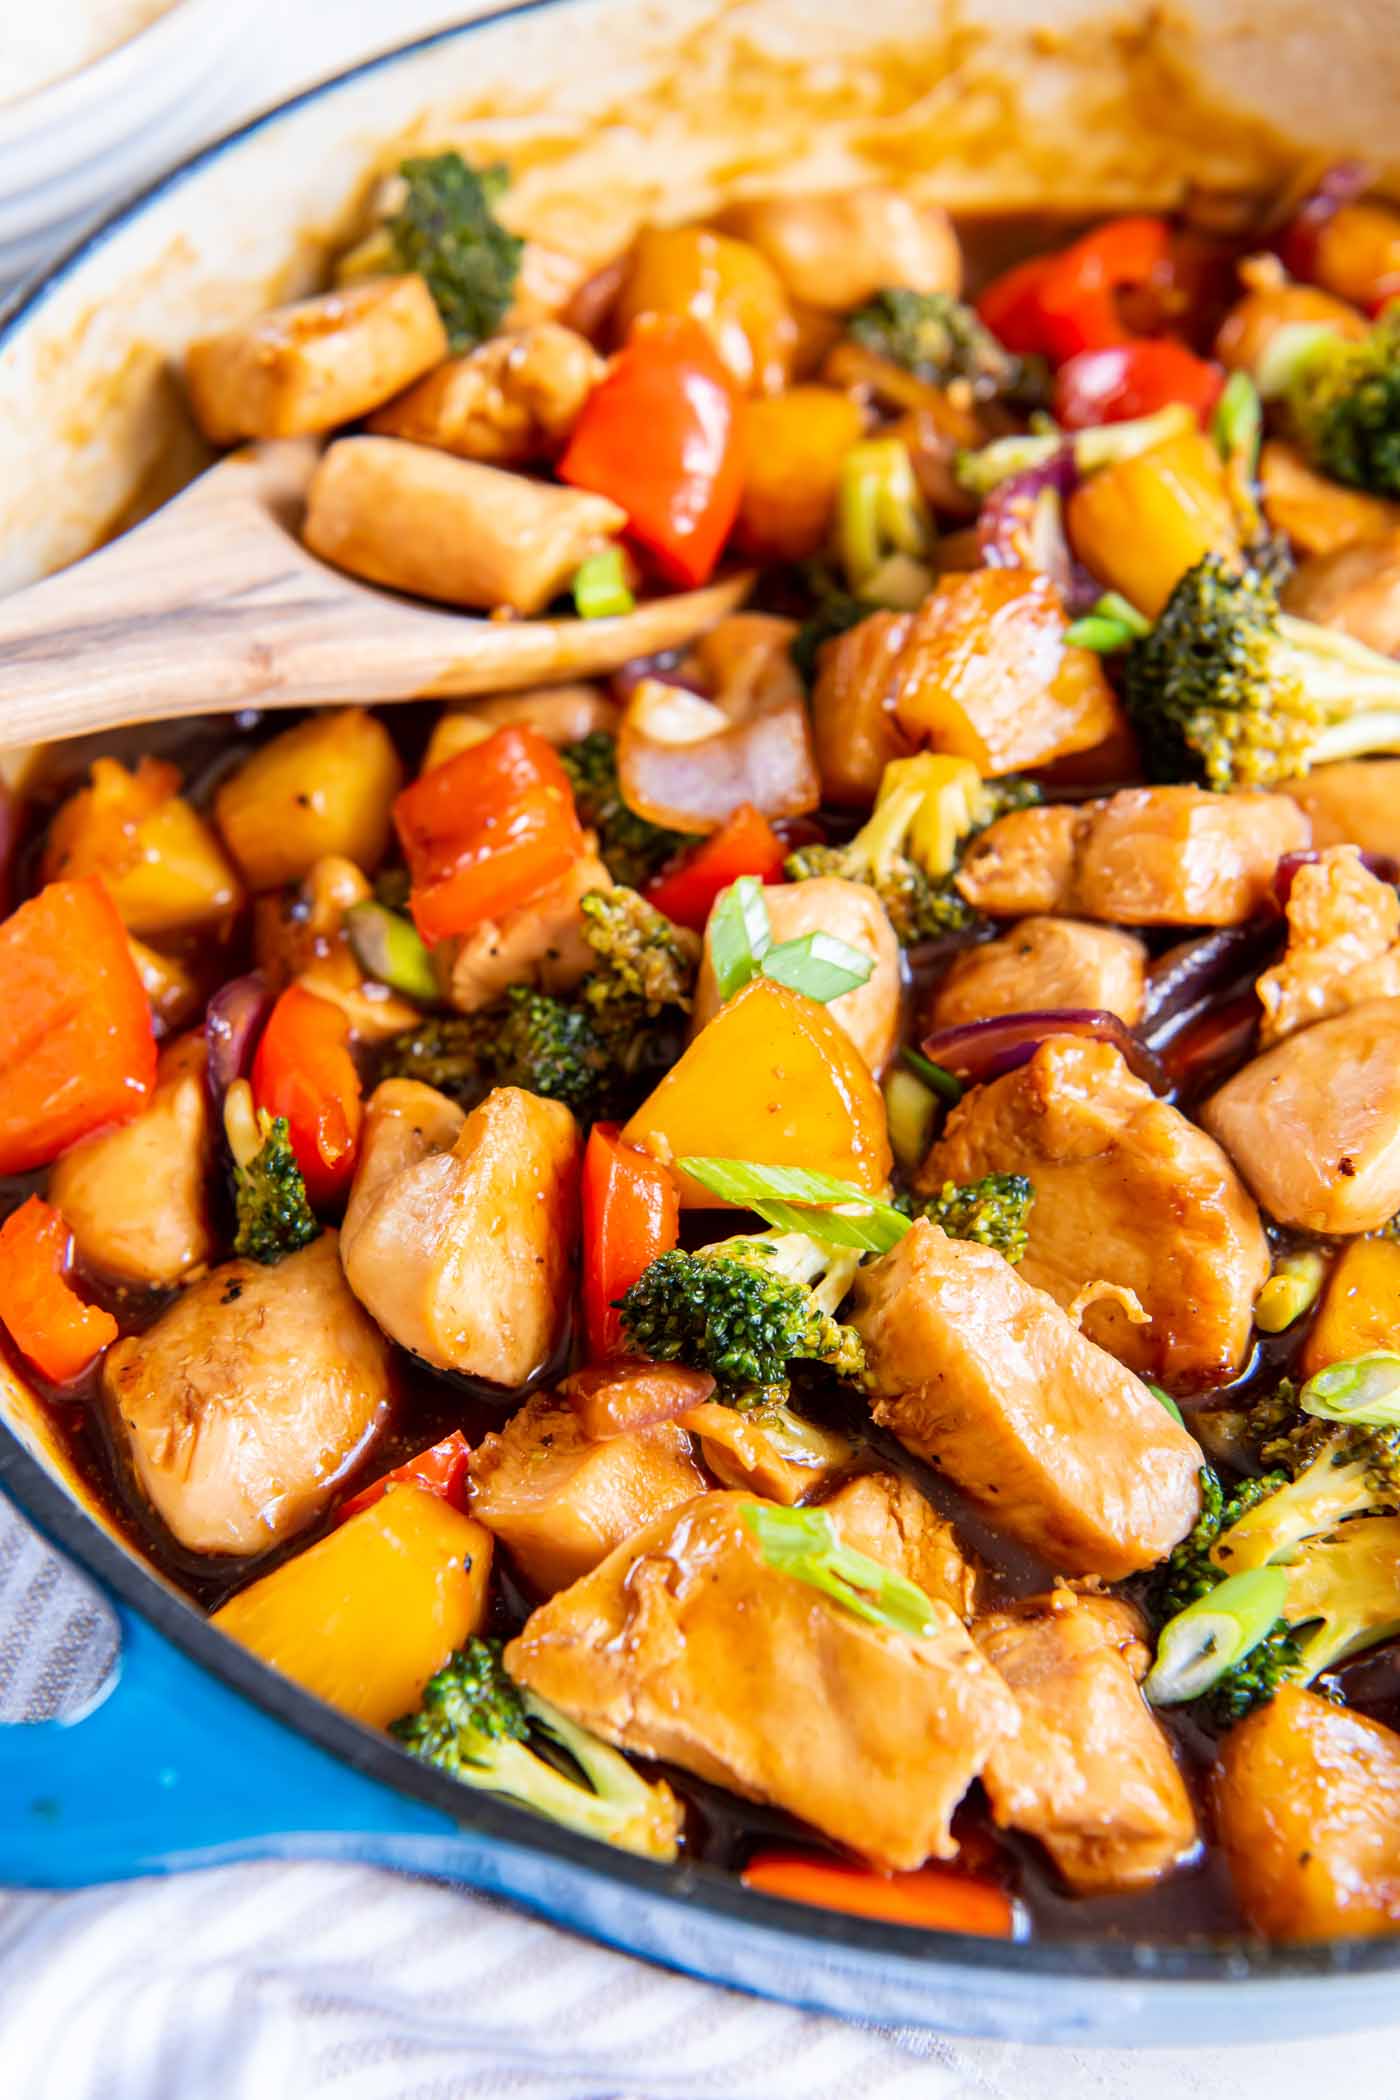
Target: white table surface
x=302 y=41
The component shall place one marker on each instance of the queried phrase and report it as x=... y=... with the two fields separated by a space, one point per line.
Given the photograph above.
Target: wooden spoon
x=214 y=604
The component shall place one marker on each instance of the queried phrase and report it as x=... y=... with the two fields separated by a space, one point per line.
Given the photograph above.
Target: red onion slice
x=981 y=1050
x=1021 y=526
x=1187 y=975
x=232 y=1023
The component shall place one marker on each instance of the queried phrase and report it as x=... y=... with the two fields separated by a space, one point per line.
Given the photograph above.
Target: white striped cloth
x=344 y=1983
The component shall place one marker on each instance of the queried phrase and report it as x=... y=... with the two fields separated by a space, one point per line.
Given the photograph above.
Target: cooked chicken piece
x=539 y=943
x=249 y=1399
x=854 y=732
x=1126 y=1189
x=988 y=1379
x=561 y=714
x=1040 y=963
x=135 y=1197
x=1314 y=1124
x=1091 y=1773
x=1343 y=945
x=560 y=1502
x=308 y=367
x=851 y=912
x=884 y=1516
x=1354 y=802
x=1317 y=514
x=1164 y=856
x=1307 y=1800
x=299 y=937
x=512 y=399
x=438 y=527
x=769 y=1451
x=835 y=250
x=1356 y=590
x=1252 y=323
x=459 y=1231
x=686 y=1645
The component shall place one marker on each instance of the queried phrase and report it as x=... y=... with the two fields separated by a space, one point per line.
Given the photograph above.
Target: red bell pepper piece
x=937 y=1898
x=487 y=831
x=662 y=437
x=631 y=1213
x=48 y=1321
x=77 y=1047
x=747 y=845
x=442 y=1469
x=303 y=1070
x=1056 y=306
x=1134 y=379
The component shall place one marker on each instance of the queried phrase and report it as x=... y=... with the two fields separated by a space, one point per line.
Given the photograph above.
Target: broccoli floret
x=273 y=1215
x=441 y=224
x=633 y=849
x=927 y=810
x=480 y=1727
x=940 y=339
x=1343 y=402
x=591 y=1051
x=1228 y=687
x=992 y=1211
x=746 y=1309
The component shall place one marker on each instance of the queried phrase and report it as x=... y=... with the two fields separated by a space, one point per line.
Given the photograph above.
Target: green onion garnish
x=739 y=935
x=1219 y=1630
x=1364 y=1389
x=1238 y=420
x=793 y=1199
x=801 y=1542
x=389 y=947
x=1113 y=625
x=819 y=965
x=599 y=587
x=944 y=1083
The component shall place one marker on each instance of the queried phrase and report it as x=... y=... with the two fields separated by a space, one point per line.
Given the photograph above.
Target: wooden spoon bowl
x=213 y=605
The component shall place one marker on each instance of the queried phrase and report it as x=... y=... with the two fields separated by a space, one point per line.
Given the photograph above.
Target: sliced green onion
x=599 y=587
x=984 y=470
x=389 y=947
x=793 y=1199
x=1238 y=420
x=1112 y=625
x=802 y=1543
x=911 y=1109
x=945 y=1084
x=1211 y=1636
x=1103 y=444
x=818 y=964
x=739 y=934
x=1364 y=1389
x=1166 y=1401
x=1289 y=1292
x=880 y=510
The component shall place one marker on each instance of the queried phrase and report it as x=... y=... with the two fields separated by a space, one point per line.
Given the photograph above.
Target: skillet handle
x=171 y=1769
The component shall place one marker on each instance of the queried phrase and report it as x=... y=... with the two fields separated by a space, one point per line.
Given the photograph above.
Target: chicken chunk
x=136 y=1198
x=1307 y=1800
x=850 y=911
x=459 y=1231
x=884 y=1516
x=1091 y=1773
x=300 y=937
x=1314 y=1124
x=1164 y=856
x=989 y=1380
x=1356 y=589
x=835 y=250
x=686 y=1645
x=249 y=1399
x=1343 y=945
x=559 y=1501
x=512 y=399
x=561 y=714
x=1041 y=963
x=452 y=529
x=1355 y=802
x=1317 y=514
x=854 y=731
x=308 y=367
x=539 y=943
x=1127 y=1189
x=769 y=1451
